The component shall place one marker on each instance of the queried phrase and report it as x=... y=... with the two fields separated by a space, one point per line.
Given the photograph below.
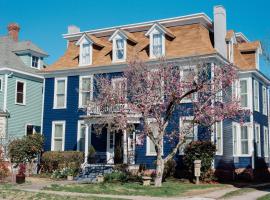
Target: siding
x=26 y=58
x=21 y=115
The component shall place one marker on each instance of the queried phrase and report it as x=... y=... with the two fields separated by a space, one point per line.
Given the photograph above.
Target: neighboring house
x=20 y=85
x=69 y=83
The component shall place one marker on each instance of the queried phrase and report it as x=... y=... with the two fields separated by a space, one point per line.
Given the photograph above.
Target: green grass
x=170 y=188
x=237 y=192
x=8 y=192
x=265 y=197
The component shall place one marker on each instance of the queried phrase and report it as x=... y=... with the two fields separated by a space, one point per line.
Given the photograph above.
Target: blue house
x=70 y=82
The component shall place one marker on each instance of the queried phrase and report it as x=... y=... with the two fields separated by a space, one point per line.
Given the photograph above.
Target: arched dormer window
x=86 y=49
x=157 y=40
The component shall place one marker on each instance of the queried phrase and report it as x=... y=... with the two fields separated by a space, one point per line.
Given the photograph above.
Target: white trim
x=5 y=93
x=264 y=104
x=157 y=26
x=257 y=138
x=24 y=92
x=266 y=145
x=85 y=40
x=79 y=125
x=163 y=48
x=238 y=153
x=114 y=49
x=55 y=88
x=91 y=89
x=20 y=72
x=220 y=153
x=256 y=104
x=63 y=134
x=109 y=150
x=31 y=62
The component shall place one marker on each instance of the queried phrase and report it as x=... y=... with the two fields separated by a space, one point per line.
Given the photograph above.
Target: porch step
x=90 y=172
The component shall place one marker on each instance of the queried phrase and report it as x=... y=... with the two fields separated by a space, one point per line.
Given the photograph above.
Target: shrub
x=56 y=160
x=25 y=149
x=169 y=169
x=4 y=171
x=116 y=176
x=91 y=155
x=199 y=150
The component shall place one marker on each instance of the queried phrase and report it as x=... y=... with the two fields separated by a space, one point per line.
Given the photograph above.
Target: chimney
x=220 y=30
x=13 y=31
x=73 y=29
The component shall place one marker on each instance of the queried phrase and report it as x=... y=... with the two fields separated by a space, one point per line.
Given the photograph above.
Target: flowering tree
x=155 y=91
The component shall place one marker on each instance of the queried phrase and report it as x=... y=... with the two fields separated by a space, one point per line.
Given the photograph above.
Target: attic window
x=35 y=62
x=86 y=47
x=85 y=54
x=119 y=49
x=157 y=45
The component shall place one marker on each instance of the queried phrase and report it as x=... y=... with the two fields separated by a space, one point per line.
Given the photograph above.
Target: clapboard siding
x=21 y=115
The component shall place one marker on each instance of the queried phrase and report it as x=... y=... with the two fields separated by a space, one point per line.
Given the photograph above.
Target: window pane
x=120 y=49
x=244 y=147
x=60 y=100
x=85 y=98
x=244 y=132
x=244 y=100
x=86 y=84
x=61 y=87
x=151 y=147
x=58 y=145
x=29 y=129
x=157 y=44
x=19 y=98
x=20 y=86
x=243 y=86
x=58 y=130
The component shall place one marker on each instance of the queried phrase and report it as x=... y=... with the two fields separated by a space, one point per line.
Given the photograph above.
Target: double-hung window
x=188 y=130
x=241 y=140
x=119 y=51
x=256 y=96
x=58 y=136
x=86 y=90
x=187 y=78
x=35 y=62
x=150 y=148
x=82 y=130
x=120 y=87
x=244 y=93
x=264 y=98
x=219 y=137
x=20 y=92
x=257 y=139
x=85 y=54
x=157 y=45
x=60 y=92
x=266 y=141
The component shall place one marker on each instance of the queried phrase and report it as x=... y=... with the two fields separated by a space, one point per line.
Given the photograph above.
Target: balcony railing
x=94 y=109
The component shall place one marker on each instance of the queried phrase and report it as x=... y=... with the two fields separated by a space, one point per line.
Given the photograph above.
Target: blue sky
x=44 y=22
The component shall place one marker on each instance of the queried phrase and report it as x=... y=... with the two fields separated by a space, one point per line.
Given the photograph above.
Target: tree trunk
x=160 y=166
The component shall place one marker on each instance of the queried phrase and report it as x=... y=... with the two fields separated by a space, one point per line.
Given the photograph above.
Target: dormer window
x=119 y=49
x=157 y=39
x=86 y=46
x=35 y=62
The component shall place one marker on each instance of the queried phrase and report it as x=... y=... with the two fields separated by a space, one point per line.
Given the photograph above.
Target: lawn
x=169 y=188
x=8 y=192
x=266 y=197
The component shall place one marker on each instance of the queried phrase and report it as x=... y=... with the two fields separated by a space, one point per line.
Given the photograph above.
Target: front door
x=118 y=148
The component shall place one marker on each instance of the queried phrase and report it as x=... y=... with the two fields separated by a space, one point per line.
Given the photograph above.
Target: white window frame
x=1 y=86
x=258 y=138
x=63 y=123
x=148 y=140
x=84 y=40
x=266 y=141
x=24 y=93
x=237 y=152
x=119 y=79
x=264 y=100
x=80 y=123
x=236 y=90
x=115 y=59
x=194 y=95
x=220 y=152
x=38 y=67
x=256 y=103
x=195 y=130
x=91 y=77
x=55 y=92
x=154 y=32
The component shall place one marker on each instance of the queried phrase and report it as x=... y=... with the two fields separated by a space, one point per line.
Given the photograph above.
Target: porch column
x=86 y=146
x=125 y=149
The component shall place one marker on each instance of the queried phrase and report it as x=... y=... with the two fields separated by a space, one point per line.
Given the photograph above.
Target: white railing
x=94 y=109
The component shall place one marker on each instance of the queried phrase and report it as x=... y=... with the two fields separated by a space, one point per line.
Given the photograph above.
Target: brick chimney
x=13 y=31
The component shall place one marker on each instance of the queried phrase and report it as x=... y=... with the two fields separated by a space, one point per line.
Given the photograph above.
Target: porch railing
x=94 y=109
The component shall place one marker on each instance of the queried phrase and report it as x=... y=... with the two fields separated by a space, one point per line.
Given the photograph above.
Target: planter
x=100 y=178
x=20 y=179
x=146 y=180
x=70 y=178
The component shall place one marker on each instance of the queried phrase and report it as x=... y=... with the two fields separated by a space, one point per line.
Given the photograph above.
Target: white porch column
x=87 y=140
x=125 y=149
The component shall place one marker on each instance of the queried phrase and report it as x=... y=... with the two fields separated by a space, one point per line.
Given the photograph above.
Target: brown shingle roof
x=190 y=40
x=249 y=46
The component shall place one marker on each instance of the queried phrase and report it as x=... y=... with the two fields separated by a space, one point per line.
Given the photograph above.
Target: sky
x=44 y=21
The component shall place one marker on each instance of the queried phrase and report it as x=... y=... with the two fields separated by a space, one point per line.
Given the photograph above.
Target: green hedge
x=55 y=160
x=200 y=150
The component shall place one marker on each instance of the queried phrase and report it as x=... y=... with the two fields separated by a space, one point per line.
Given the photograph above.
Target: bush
x=169 y=169
x=199 y=150
x=56 y=160
x=116 y=176
x=25 y=149
x=91 y=155
x=4 y=171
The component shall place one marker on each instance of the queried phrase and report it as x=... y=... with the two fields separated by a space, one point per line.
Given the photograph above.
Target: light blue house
x=20 y=85
x=70 y=81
